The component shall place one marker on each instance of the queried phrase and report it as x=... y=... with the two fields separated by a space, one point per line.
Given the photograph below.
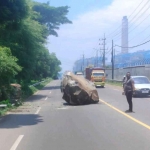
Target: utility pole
x=114 y=56
x=112 y=60
x=83 y=64
x=97 y=58
x=104 y=50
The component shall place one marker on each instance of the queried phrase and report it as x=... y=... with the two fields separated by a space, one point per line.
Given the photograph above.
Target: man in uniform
x=128 y=90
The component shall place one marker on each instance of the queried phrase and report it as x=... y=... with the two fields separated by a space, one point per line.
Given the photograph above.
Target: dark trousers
x=129 y=99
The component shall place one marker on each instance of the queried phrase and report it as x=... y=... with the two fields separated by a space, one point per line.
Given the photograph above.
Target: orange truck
x=96 y=75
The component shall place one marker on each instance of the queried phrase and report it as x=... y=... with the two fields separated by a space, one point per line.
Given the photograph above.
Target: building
x=124 y=41
x=138 y=58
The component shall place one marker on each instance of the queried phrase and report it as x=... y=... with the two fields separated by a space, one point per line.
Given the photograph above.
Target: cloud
x=83 y=35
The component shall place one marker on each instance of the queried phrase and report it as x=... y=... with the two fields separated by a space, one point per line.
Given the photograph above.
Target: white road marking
x=50 y=92
x=46 y=98
x=38 y=110
x=17 y=142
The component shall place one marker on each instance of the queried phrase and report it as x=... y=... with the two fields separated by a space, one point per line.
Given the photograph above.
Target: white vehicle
x=142 y=85
x=80 y=74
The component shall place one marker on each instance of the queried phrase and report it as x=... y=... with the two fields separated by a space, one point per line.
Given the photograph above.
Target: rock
x=16 y=92
x=77 y=90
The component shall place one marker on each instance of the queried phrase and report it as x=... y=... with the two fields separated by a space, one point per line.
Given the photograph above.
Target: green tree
x=51 y=17
x=13 y=10
x=24 y=28
x=8 y=70
x=8 y=66
x=54 y=65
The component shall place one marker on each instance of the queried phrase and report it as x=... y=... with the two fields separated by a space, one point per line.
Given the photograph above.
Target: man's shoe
x=128 y=111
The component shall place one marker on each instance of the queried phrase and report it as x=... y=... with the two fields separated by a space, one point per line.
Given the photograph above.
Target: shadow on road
x=100 y=87
x=19 y=120
x=66 y=104
x=51 y=88
x=143 y=97
x=35 y=97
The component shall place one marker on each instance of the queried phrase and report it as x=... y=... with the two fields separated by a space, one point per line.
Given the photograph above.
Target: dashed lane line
x=15 y=145
x=45 y=98
x=38 y=110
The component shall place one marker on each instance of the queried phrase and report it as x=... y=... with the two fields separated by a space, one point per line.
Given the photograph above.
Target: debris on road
x=77 y=90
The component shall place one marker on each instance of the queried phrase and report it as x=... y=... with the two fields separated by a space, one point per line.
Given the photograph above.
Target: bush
x=7 y=102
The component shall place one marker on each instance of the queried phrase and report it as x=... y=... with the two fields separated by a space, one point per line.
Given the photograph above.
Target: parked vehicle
x=142 y=85
x=96 y=75
x=80 y=74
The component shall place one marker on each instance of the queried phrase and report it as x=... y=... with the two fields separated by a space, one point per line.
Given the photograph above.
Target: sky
x=91 y=20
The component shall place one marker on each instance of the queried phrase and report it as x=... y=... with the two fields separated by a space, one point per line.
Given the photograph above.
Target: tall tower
x=124 y=35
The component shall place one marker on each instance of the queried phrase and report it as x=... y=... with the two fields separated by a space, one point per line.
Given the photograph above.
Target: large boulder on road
x=77 y=90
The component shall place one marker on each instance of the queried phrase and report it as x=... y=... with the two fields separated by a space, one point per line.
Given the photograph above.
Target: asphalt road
x=46 y=122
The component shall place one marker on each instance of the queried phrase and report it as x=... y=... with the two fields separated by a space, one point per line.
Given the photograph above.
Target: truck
x=96 y=75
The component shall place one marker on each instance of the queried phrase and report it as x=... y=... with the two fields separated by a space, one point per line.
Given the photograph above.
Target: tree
x=13 y=10
x=54 y=65
x=24 y=28
x=51 y=17
x=8 y=66
x=8 y=70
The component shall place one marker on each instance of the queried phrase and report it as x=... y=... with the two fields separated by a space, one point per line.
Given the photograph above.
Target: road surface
x=46 y=122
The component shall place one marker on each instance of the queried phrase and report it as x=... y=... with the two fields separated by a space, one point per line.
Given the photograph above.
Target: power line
x=136 y=8
x=119 y=27
x=135 y=26
x=146 y=37
x=140 y=16
x=140 y=10
x=134 y=46
x=128 y=17
x=117 y=35
x=139 y=24
x=140 y=34
x=109 y=51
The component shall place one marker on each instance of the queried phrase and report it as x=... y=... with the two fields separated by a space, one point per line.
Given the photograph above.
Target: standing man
x=128 y=90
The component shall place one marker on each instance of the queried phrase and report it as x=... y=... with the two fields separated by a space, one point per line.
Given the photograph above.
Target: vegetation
x=114 y=83
x=28 y=90
x=24 y=28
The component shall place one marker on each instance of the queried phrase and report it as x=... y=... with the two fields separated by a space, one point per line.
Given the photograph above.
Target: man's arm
x=133 y=85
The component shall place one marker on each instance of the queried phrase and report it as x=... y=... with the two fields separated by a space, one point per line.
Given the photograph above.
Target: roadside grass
x=3 y=111
x=27 y=90
x=114 y=83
